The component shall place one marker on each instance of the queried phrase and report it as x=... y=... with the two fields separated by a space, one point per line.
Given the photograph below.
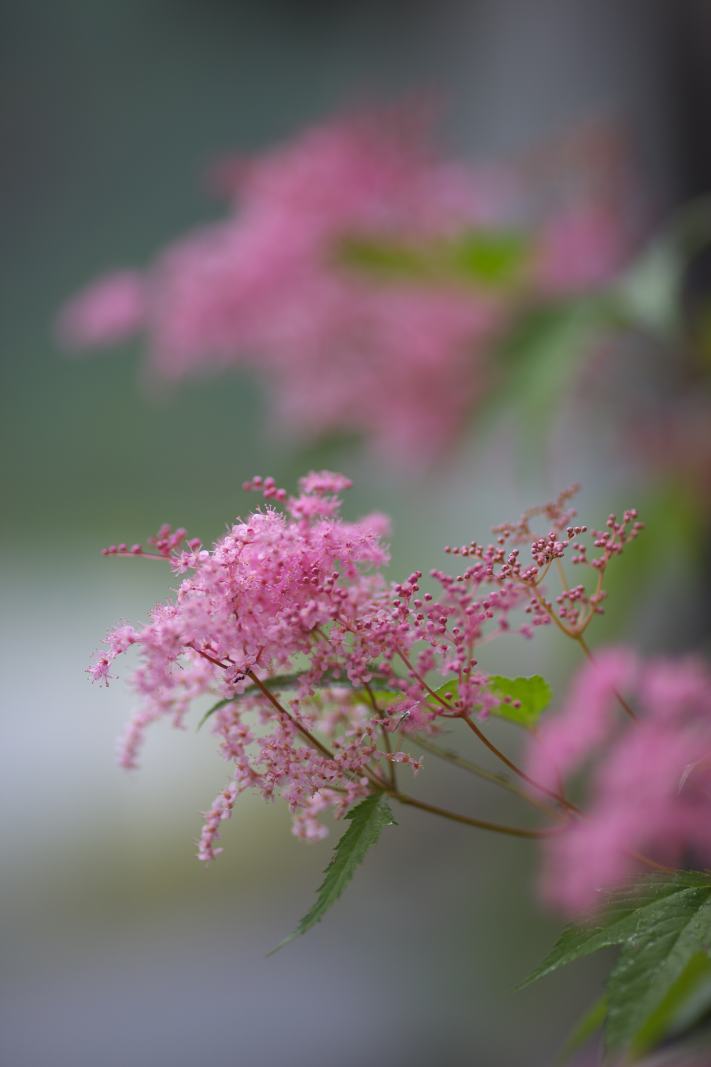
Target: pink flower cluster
x=316 y=673
x=651 y=777
x=401 y=360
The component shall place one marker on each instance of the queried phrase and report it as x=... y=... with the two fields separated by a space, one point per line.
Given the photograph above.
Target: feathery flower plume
x=317 y=675
x=340 y=275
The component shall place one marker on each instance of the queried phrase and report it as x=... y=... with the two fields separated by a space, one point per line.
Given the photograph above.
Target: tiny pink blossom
x=99 y=671
x=287 y=630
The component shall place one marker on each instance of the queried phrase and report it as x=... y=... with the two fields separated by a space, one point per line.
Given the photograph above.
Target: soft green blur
x=121 y=948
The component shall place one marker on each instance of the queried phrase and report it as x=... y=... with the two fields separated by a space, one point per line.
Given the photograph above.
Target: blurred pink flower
x=402 y=358
x=651 y=783
x=108 y=311
x=269 y=287
x=566 y=740
x=579 y=249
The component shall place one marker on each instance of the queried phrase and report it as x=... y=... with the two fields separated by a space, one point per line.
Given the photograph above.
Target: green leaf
x=368 y=819
x=382 y=697
x=662 y=977
x=449 y=692
x=652 y=962
x=591 y=1021
x=491 y=257
x=618 y=922
x=685 y=1001
x=528 y=698
x=523 y=700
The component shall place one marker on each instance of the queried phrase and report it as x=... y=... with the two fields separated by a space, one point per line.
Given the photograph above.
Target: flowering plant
x=377 y=287
x=325 y=683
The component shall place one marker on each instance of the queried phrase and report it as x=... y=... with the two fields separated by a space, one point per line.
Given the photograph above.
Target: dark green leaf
x=686 y=1000
x=620 y=920
x=663 y=975
x=368 y=819
x=448 y=693
x=652 y=963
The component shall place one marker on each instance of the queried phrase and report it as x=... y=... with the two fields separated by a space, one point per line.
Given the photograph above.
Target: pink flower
x=651 y=785
x=270 y=287
x=401 y=357
x=110 y=310
x=585 y=721
x=307 y=659
x=580 y=249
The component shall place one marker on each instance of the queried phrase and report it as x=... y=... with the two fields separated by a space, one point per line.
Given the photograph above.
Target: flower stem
x=479 y=824
x=559 y=799
x=392 y=775
x=481 y=772
x=375 y=779
x=266 y=691
x=516 y=769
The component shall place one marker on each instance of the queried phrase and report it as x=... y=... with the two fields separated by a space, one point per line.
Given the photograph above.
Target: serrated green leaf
x=368 y=819
x=653 y=960
x=626 y=911
x=687 y=998
x=590 y=1023
x=532 y=695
